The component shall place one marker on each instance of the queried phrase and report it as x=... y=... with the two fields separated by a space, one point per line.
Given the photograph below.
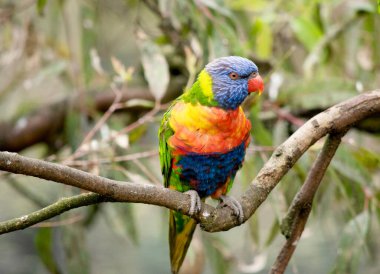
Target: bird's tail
x=181 y=229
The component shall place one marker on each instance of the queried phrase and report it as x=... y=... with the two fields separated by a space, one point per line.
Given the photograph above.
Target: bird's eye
x=254 y=74
x=234 y=76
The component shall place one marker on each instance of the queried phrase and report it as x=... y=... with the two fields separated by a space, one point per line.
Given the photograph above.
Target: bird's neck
x=201 y=91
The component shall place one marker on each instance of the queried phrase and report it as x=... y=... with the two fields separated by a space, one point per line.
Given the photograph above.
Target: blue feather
x=207 y=172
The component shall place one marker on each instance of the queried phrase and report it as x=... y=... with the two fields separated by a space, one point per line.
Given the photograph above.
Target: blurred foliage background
x=64 y=63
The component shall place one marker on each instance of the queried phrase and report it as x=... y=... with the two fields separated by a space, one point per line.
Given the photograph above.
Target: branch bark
x=334 y=119
x=50 y=211
x=299 y=211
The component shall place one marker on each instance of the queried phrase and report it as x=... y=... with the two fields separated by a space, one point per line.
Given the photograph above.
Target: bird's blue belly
x=206 y=172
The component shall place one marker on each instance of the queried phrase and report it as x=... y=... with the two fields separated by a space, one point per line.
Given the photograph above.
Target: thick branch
x=296 y=218
x=332 y=120
x=50 y=211
x=47 y=121
x=305 y=195
x=116 y=190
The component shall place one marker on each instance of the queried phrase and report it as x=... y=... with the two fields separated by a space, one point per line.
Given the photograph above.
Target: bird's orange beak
x=256 y=84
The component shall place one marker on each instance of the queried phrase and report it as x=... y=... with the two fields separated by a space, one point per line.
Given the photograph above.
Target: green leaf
x=280 y=132
x=352 y=244
x=156 y=68
x=363 y=7
x=263 y=39
x=307 y=31
x=247 y=5
x=88 y=40
x=52 y=70
x=347 y=165
x=273 y=232
x=216 y=250
x=216 y=45
x=137 y=133
x=229 y=31
x=76 y=254
x=262 y=136
x=254 y=228
x=44 y=246
x=121 y=220
x=320 y=92
x=217 y=6
x=367 y=158
x=73 y=134
x=342 y=191
x=41 y=6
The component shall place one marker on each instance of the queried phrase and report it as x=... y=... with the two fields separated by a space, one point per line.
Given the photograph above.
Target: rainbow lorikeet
x=202 y=141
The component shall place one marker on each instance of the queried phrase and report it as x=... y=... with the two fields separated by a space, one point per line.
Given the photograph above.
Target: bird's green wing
x=164 y=133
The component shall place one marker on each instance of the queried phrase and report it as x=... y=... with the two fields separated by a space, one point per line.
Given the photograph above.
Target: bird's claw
x=232 y=203
x=195 y=202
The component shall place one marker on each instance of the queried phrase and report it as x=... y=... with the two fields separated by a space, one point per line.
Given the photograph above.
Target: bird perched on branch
x=202 y=141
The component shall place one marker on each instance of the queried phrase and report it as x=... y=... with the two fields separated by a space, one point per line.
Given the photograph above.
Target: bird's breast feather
x=201 y=129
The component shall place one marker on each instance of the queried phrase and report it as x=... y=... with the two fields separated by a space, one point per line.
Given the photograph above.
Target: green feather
x=171 y=179
x=181 y=229
x=195 y=95
x=164 y=133
x=201 y=91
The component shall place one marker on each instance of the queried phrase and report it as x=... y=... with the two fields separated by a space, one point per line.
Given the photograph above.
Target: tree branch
x=50 y=211
x=298 y=213
x=334 y=119
x=47 y=121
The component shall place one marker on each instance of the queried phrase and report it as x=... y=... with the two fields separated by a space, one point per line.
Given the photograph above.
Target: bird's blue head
x=233 y=78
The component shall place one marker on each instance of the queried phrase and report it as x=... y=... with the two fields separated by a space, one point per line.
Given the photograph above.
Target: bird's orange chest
x=201 y=129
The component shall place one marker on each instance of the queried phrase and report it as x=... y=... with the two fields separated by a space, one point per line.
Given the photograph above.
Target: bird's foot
x=232 y=203
x=195 y=202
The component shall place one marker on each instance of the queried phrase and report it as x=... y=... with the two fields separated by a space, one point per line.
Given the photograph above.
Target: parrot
x=202 y=141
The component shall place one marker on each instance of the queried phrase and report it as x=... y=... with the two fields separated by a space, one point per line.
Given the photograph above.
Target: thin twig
x=296 y=218
x=286 y=115
x=47 y=121
x=147 y=117
x=50 y=211
x=78 y=152
x=147 y=172
x=123 y=158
